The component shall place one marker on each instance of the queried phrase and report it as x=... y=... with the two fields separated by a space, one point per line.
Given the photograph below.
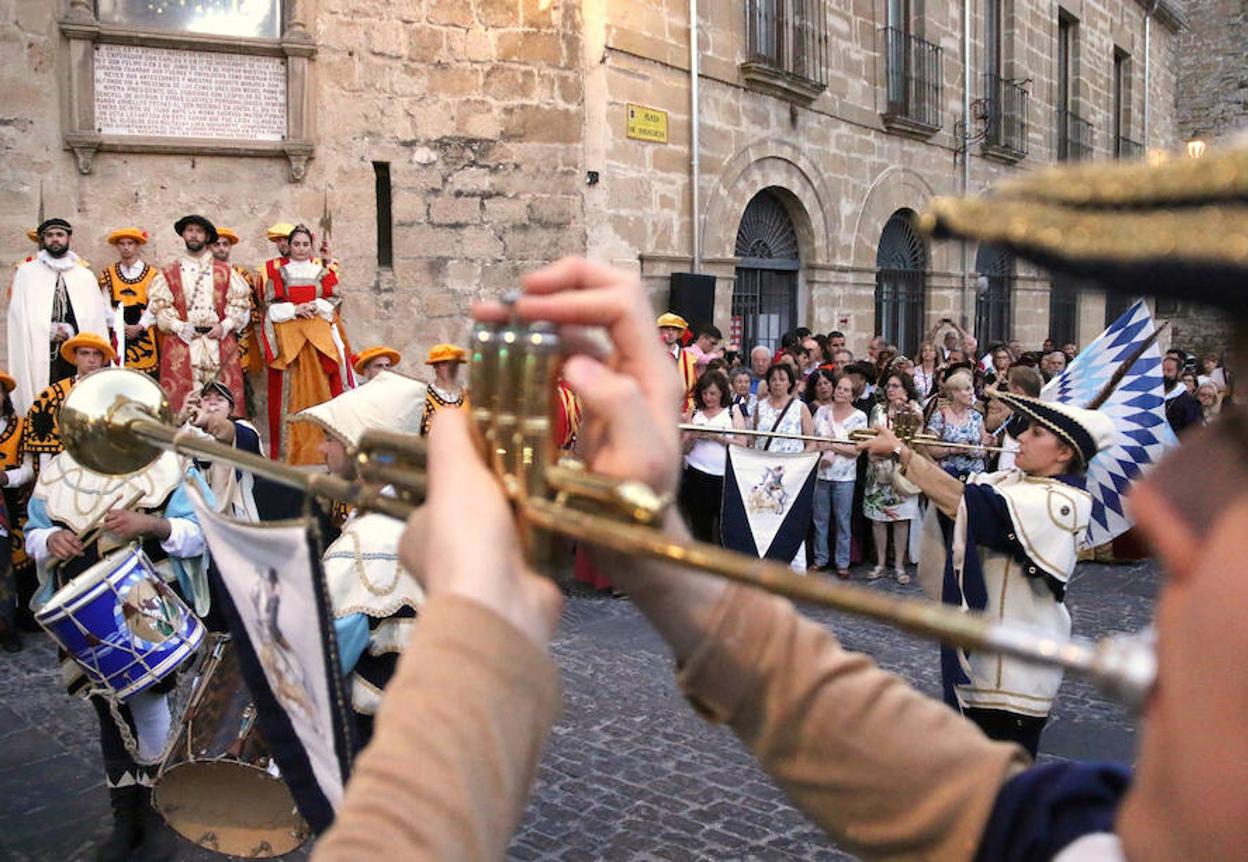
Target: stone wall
x=475 y=104
x=839 y=172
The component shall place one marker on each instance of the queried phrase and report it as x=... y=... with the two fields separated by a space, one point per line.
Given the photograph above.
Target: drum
x=122 y=624
x=218 y=787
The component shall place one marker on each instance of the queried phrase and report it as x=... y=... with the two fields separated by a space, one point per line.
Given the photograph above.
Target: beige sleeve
x=887 y=772
x=237 y=303
x=457 y=742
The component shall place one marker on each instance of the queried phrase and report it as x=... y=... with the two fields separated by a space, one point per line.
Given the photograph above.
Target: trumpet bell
x=95 y=413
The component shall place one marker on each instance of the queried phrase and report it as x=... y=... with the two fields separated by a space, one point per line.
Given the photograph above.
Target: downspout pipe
x=967 y=323
x=1148 y=47
x=694 y=137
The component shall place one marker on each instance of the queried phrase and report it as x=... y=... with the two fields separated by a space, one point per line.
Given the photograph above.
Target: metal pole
x=967 y=323
x=694 y=205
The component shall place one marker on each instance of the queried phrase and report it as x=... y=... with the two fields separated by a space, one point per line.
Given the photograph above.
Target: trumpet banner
x=767 y=503
x=275 y=603
x=1137 y=406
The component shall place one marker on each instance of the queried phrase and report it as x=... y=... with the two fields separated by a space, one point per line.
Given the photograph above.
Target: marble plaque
x=162 y=92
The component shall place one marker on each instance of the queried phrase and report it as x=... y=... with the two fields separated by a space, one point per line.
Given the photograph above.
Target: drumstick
x=93 y=528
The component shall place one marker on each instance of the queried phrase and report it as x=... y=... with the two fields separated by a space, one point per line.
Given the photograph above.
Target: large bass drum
x=218 y=786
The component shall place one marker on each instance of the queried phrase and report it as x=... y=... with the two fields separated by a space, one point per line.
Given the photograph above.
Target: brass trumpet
x=117 y=421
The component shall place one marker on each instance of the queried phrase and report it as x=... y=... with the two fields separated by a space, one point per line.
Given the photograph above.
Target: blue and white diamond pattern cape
x=1137 y=407
x=767 y=503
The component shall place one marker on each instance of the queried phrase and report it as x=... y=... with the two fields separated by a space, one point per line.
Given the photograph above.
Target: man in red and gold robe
x=199 y=303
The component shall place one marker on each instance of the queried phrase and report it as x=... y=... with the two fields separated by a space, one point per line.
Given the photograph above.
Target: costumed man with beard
x=445 y=392
x=149 y=507
x=250 y=351
x=671 y=327
x=371 y=362
x=126 y=283
x=52 y=299
x=1182 y=410
x=373 y=597
x=1010 y=544
x=199 y=303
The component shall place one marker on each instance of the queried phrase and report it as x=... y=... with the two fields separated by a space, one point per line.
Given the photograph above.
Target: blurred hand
x=633 y=399
x=64 y=545
x=130 y=525
x=133 y=331
x=881 y=445
x=482 y=563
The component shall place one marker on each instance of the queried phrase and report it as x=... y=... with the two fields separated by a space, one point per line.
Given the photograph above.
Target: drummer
x=374 y=599
x=75 y=518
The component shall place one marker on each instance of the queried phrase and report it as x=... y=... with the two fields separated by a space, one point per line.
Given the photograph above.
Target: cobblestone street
x=629 y=772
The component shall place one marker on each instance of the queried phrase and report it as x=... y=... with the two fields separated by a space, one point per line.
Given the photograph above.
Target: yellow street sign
x=647 y=124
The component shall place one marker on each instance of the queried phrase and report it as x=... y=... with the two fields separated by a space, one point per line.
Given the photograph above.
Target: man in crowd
x=671 y=327
x=251 y=353
x=836 y=341
x=371 y=362
x=760 y=361
x=1052 y=364
x=51 y=300
x=1182 y=409
x=445 y=392
x=126 y=283
x=707 y=345
x=199 y=304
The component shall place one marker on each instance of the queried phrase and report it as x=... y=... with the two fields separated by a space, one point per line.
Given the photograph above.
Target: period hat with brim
x=8 y=381
x=87 y=339
x=865 y=369
x=1175 y=229
x=54 y=222
x=219 y=388
x=445 y=353
x=209 y=228
x=281 y=230
x=388 y=402
x=134 y=233
x=1085 y=431
x=669 y=319
x=33 y=234
x=227 y=233
x=367 y=356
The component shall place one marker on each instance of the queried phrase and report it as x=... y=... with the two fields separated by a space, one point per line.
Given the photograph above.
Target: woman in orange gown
x=306 y=348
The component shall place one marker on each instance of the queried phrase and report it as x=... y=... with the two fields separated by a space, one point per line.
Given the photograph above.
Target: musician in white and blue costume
x=1010 y=544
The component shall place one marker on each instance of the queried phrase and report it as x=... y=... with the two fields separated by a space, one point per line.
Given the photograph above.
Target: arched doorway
x=901 y=282
x=994 y=291
x=765 y=295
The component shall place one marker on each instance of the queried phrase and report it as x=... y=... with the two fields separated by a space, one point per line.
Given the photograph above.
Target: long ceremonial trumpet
x=855 y=436
x=117 y=421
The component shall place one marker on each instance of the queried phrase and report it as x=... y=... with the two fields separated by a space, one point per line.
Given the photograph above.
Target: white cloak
x=30 y=321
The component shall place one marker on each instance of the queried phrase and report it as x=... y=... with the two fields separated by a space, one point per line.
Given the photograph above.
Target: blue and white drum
x=122 y=624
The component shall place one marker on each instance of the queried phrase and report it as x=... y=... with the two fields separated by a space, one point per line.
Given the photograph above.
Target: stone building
x=447 y=146
x=1212 y=109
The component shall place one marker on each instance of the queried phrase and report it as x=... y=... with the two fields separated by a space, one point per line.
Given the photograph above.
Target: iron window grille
x=1125 y=148
x=1006 y=104
x=1074 y=137
x=900 y=283
x=787 y=45
x=912 y=81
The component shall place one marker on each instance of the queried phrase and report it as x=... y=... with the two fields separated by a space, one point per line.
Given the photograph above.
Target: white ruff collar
x=61 y=264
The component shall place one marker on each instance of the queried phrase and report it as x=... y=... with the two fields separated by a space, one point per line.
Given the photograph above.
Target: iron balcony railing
x=1125 y=148
x=1074 y=137
x=912 y=79
x=790 y=36
x=1007 y=114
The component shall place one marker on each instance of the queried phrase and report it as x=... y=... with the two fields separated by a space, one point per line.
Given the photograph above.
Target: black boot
x=10 y=640
x=127 y=828
x=157 y=842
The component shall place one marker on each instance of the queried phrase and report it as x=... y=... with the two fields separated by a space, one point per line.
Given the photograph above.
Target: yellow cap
x=366 y=356
x=134 y=233
x=445 y=353
x=673 y=320
x=226 y=233
x=87 y=339
x=281 y=230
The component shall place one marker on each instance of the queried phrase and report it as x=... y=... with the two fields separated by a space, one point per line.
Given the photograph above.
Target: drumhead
x=230 y=807
x=92 y=577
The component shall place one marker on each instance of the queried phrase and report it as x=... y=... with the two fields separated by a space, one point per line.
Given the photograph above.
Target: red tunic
x=176 y=375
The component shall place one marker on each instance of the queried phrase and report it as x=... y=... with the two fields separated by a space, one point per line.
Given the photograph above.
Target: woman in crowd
x=1210 y=400
x=307 y=349
x=782 y=411
x=838 y=472
x=957 y=421
x=1002 y=359
x=884 y=505
x=819 y=386
x=925 y=370
x=702 y=485
x=743 y=399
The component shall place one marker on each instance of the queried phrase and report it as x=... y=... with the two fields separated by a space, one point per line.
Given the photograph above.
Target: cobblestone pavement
x=629 y=773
